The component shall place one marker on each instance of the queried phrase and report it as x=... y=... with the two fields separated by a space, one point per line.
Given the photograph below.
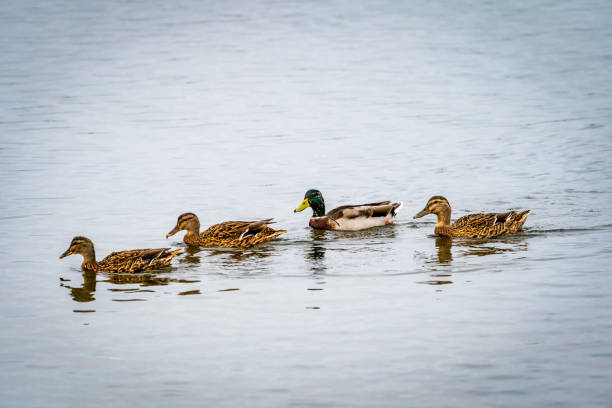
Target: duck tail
x=166 y=254
x=256 y=227
x=396 y=207
x=175 y=252
x=517 y=221
x=267 y=235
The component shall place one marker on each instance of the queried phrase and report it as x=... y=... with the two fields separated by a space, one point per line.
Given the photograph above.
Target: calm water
x=115 y=117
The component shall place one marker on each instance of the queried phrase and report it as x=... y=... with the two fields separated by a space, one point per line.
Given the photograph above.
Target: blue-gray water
x=115 y=117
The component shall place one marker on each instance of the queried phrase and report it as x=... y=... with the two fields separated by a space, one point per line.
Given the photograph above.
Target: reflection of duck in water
x=191 y=255
x=241 y=256
x=143 y=279
x=481 y=247
x=487 y=247
x=241 y=261
x=84 y=293
x=472 y=225
x=315 y=252
x=444 y=245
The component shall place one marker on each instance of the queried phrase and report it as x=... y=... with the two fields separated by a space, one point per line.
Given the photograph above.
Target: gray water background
x=116 y=117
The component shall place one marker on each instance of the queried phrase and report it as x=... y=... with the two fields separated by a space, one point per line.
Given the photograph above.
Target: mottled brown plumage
x=229 y=234
x=135 y=260
x=473 y=225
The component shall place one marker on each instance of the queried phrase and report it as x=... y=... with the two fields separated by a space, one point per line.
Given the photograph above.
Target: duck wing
x=137 y=260
x=256 y=227
x=233 y=234
x=475 y=220
x=378 y=209
x=486 y=225
x=226 y=230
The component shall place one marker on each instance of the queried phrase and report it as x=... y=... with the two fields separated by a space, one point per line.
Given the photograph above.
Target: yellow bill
x=305 y=204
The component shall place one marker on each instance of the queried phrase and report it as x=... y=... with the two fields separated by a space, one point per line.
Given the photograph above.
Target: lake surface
x=116 y=117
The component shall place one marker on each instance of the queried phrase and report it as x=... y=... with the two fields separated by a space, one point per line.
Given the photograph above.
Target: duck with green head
x=348 y=217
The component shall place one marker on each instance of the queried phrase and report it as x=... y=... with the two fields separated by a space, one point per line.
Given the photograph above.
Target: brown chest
x=323 y=223
x=191 y=240
x=444 y=231
x=90 y=266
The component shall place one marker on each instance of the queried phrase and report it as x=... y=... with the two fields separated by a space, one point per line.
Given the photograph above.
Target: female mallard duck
x=473 y=225
x=135 y=260
x=348 y=217
x=229 y=234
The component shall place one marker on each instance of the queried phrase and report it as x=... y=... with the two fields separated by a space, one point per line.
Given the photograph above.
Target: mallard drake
x=348 y=217
x=229 y=234
x=134 y=260
x=472 y=225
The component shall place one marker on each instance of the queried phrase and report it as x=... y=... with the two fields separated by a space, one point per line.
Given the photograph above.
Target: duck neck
x=444 y=216
x=193 y=233
x=89 y=259
x=318 y=207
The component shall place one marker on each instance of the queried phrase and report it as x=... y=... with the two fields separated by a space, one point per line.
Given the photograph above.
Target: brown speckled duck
x=135 y=260
x=348 y=217
x=472 y=225
x=229 y=234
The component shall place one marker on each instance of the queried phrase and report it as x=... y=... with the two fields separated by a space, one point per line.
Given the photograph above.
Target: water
x=116 y=117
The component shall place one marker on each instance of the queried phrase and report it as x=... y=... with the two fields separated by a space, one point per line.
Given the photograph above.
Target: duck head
x=186 y=222
x=80 y=245
x=313 y=199
x=439 y=206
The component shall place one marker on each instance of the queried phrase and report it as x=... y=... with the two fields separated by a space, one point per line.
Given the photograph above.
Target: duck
x=129 y=261
x=228 y=234
x=473 y=225
x=348 y=217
